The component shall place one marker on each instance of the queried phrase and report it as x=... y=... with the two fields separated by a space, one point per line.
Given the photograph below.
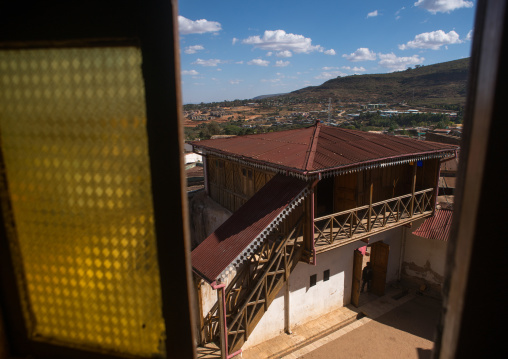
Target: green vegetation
x=373 y=121
x=205 y=131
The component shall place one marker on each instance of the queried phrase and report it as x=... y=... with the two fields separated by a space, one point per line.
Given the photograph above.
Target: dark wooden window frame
x=152 y=27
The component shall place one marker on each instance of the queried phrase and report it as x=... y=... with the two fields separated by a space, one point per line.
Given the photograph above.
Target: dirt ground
x=405 y=332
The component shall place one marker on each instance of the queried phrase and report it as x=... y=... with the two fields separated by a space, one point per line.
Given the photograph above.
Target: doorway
x=376 y=256
x=324 y=197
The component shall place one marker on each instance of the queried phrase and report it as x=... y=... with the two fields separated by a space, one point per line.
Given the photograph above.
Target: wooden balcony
x=344 y=227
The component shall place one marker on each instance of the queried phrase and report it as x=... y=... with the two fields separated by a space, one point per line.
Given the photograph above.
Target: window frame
x=150 y=26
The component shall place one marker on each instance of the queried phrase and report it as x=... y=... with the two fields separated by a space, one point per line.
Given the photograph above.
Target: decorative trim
x=254 y=245
x=385 y=163
x=333 y=172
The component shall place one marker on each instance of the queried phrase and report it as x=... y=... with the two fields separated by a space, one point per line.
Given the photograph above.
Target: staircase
x=256 y=285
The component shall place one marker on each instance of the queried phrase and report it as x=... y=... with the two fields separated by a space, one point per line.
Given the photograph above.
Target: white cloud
x=270 y=80
x=435 y=6
x=193 y=49
x=372 y=14
x=285 y=53
x=355 y=69
x=239 y=62
x=234 y=41
x=269 y=53
x=281 y=63
x=432 y=40
x=258 y=62
x=394 y=63
x=186 y=26
x=330 y=52
x=210 y=62
x=190 y=72
x=329 y=75
x=397 y=13
x=469 y=35
x=361 y=54
x=279 y=40
x=328 y=68
x=234 y=82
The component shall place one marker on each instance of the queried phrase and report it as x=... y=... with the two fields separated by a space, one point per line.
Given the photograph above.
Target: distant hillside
x=267 y=96
x=443 y=83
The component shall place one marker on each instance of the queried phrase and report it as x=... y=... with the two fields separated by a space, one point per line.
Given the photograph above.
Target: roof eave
x=350 y=167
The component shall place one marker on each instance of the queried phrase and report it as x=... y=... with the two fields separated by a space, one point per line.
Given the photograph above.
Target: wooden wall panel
x=231 y=184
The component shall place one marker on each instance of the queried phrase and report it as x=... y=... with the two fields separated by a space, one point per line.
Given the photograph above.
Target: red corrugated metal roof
x=320 y=148
x=437 y=226
x=231 y=240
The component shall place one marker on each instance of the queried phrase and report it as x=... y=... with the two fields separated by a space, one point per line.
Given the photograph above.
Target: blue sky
x=239 y=49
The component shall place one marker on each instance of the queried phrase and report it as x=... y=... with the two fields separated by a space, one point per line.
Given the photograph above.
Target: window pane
x=74 y=143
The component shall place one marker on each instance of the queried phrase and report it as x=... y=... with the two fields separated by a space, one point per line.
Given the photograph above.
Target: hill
x=267 y=96
x=439 y=84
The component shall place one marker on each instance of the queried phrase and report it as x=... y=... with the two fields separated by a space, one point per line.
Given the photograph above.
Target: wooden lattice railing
x=252 y=290
x=342 y=227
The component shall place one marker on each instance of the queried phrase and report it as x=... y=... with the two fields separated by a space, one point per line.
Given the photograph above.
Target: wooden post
x=265 y=287
x=413 y=185
x=351 y=225
x=331 y=229
x=246 y=324
x=287 y=323
x=287 y=328
x=222 y=323
x=370 y=206
x=308 y=227
x=201 y=331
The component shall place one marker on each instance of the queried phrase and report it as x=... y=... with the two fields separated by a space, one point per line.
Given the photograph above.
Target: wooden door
x=357 y=277
x=379 y=259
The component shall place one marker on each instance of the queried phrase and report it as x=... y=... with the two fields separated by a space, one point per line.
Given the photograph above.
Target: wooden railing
x=253 y=288
x=343 y=227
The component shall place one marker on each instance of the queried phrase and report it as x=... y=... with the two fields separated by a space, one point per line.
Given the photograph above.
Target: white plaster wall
x=193 y=157
x=209 y=295
x=308 y=303
x=424 y=258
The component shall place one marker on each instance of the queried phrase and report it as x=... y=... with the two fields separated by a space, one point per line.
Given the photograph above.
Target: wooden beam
x=222 y=324
x=370 y=206
x=287 y=322
x=472 y=268
x=413 y=186
x=3 y=340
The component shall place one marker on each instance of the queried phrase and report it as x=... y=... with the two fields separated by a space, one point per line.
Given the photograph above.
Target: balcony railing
x=344 y=227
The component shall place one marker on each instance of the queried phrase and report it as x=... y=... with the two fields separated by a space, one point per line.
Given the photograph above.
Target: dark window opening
x=326 y=275
x=313 y=280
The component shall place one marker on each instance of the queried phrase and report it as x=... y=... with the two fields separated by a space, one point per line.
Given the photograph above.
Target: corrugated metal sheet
x=447 y=182
x=437 y=226
x=233 y=237
x=320 y=148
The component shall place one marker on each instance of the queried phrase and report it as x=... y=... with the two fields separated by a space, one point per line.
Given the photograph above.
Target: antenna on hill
x=329 y=109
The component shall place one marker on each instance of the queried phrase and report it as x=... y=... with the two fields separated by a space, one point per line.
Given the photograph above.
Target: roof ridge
x=311 y=152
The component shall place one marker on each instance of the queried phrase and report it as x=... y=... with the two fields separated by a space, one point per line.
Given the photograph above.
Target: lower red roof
x=233 y=241
x=437 y=226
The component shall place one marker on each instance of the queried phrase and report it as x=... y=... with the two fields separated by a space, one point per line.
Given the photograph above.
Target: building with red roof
x=303 y=202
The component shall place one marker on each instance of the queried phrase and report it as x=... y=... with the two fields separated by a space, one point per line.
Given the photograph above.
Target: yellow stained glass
x=74 y=143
